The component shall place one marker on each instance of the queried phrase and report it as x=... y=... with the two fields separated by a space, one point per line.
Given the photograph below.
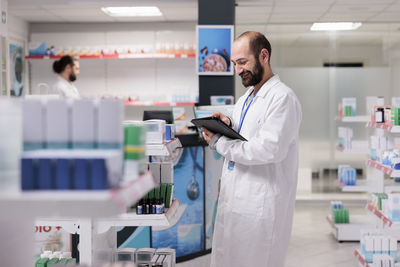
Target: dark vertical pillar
x=215 y=12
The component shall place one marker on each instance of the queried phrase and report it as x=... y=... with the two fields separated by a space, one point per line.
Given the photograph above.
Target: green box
x=42 y=262
x=52 y=262
x=163 y=190
x=169 y=195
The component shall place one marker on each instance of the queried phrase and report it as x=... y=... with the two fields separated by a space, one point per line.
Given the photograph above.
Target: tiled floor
x=313 y=245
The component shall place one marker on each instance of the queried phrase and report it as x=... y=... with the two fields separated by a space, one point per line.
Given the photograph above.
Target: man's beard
x=72 y=77
x=254 y=77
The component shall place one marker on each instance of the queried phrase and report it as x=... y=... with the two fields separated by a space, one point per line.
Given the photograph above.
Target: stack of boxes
x=349 y=105
x=339 y=214
x=376 y=243
x=347 y=175
x=345 y=135
x=71 y=145
x=134 y=149
x=53 y=259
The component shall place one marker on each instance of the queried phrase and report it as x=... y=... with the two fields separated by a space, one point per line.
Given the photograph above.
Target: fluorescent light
x=132 y=11
x=335 y=26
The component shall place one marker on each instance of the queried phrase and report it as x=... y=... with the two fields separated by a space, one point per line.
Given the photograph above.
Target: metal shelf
x=361 y=259
x=76 y=203
x=390 y=128
x=170 y=217
x=352 y=151
x=350 y=231
x=354 y=118
x=385 y=169
x=119 y=56
x=166 y=149
x=379 y=214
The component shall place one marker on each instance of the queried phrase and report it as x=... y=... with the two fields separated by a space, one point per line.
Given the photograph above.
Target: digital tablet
x=215 y=125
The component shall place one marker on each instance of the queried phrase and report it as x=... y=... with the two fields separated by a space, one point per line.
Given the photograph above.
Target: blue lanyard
x=242 y=116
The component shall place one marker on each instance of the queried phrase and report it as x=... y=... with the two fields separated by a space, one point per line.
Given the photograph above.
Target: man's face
x=247 y=66
x=74 y=71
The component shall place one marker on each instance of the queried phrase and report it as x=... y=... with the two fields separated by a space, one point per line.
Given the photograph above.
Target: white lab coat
x=257 y=198
x=65 y=89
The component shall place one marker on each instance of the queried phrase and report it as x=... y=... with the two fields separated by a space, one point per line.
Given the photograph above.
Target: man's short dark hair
x=257 y=41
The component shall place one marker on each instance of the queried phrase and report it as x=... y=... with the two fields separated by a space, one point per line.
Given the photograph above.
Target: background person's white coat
x=257 y=198
x=65 y=89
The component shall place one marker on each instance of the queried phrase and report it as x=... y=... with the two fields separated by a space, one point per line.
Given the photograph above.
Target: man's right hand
x=222 y=117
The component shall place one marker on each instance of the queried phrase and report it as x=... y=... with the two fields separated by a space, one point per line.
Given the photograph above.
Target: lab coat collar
x=266 y=86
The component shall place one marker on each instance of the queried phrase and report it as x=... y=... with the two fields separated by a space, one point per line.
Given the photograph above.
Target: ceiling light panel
x=139 y=11
x=335 y=26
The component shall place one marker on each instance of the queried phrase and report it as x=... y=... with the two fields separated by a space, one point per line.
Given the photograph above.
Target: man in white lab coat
x=67 y=70
x=259 y=177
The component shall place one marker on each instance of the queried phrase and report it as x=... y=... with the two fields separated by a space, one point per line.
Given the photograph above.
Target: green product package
x=151 y=194
x=169 y=195
x=63 y=261
x=42 y=262
x=73 y=261
x=52 y=262
x=348 y=111
x=163 y=190
x=157 y=192
x=135 y=134
x=138 y=155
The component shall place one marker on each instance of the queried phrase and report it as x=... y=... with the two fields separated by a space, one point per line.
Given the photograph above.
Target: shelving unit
x=77 y=203
x=390 y=128
x=353 y=118
x=349 y=231
x=166 y=149
x=361 y=259
x=88 y=213
x=119 y=56
x=352 y=151
x=380 y=215
x=383 y=168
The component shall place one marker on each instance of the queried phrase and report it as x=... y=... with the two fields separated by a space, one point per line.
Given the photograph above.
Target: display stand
x=88 y=213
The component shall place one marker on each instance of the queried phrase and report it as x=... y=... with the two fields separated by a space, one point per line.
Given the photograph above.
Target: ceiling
x=288 y=21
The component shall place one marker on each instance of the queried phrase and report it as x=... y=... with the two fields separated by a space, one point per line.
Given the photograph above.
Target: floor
x=313 y=245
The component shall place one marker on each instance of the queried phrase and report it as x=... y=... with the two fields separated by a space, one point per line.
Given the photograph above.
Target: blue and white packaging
x=57 y=124
x=33 y=124
x=83 y=124
x=109 y=120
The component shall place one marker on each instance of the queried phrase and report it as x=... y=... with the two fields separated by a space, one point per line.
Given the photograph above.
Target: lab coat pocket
x=249 y=198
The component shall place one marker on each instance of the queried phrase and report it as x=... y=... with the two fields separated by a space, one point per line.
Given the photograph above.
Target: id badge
x=231 y=165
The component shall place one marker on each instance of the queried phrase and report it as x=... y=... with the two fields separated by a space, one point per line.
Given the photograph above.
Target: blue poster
x=214 y=50
x=16 y=70
x=186 y=236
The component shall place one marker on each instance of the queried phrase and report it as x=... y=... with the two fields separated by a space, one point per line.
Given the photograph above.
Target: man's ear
x=264 y=55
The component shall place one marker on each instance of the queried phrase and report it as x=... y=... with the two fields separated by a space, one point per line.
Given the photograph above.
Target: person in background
x=259 y=176
x=67 y=69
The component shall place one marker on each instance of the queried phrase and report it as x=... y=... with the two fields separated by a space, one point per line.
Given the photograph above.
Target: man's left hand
x=207 y=135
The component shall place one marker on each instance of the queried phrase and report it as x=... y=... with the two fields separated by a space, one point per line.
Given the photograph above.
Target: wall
x=147 y=79
x=17 y=28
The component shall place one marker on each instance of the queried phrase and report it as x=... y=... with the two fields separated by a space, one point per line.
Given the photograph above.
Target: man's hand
x=207 y=135
x=222 y=117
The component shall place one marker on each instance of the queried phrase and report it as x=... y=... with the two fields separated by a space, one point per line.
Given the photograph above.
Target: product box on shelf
x=349 y=106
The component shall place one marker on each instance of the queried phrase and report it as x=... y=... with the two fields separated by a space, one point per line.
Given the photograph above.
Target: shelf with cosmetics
x=120 y=56
x=349 y=231
x=383 y=168
x=88 y=203
x=166 y=149
x=387 y=222
x=352 y=118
